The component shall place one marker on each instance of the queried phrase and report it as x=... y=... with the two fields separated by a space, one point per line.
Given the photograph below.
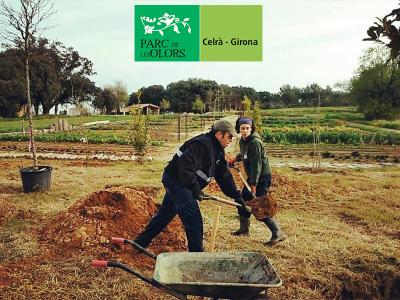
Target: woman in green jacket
x=258 y=173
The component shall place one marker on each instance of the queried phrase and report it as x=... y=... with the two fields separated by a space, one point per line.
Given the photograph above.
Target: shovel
x=261 y=207
x=243 y=180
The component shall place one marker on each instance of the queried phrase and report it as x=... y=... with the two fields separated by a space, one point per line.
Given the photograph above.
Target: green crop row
x=292 y=122
x=387 y=124
x=73 y=138
x=62 y=137
x=305 y=136
x=42 y=122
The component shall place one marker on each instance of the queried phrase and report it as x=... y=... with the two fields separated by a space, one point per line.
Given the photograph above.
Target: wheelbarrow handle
x=121 y=241
x=151 y=281
x=99 y=263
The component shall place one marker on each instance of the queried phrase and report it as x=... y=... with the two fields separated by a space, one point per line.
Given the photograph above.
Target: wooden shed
x=146 y=108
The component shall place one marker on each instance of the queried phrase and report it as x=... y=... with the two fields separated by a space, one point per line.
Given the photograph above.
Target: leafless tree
x=23 y=23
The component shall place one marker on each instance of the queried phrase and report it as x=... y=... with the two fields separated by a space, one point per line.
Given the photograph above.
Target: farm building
x=146 y=108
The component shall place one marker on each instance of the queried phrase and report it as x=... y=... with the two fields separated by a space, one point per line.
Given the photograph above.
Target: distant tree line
x=183 y=95
x=60 y=75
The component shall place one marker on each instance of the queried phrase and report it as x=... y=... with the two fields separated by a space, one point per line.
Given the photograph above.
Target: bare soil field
x=339 y=152
x=343 y=227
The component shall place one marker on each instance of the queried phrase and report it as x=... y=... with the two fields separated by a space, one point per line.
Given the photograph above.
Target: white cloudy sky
x=305 y=41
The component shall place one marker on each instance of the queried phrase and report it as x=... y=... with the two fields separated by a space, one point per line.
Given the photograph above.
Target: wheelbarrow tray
x=233 y=275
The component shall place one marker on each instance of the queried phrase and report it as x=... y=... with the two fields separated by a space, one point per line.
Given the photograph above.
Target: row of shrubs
x=305 y=136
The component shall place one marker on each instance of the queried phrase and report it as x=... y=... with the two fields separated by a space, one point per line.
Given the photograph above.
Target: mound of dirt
x=88 y=225
x=286 y=188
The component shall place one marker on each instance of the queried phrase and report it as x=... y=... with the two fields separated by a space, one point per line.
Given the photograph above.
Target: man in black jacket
x=191 y=169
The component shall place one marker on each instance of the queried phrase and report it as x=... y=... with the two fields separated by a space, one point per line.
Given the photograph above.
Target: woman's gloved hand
x=253 y=189
x=231 y=162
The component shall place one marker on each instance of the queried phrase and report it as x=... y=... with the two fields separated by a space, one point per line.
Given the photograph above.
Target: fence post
x=186 y=125
x=179 y=127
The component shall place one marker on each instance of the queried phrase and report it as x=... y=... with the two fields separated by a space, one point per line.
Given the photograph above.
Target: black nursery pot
x=36 y=180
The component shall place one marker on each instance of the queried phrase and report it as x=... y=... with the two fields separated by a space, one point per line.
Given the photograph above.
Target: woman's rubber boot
x=277 y=234
x=244 y=226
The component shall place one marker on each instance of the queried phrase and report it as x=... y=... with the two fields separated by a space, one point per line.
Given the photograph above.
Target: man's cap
x=224 y=125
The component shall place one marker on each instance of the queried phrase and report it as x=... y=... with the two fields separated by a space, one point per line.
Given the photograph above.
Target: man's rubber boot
x=277 y=234
x=244 y=226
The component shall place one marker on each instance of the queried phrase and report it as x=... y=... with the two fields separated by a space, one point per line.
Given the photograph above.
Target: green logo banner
x=198 y=33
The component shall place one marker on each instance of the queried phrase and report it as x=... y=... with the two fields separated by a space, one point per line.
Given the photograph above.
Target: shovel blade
x=263 y=207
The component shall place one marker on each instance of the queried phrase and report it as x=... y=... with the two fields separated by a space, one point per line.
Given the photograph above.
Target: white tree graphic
x=162 y=23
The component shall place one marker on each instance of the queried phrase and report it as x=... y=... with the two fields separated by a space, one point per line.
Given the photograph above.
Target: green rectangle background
x=227 y=22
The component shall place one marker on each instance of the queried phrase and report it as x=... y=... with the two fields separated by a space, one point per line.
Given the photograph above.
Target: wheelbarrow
x=221 y=275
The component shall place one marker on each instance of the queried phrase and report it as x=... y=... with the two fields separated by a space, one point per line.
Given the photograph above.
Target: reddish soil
x=88 y=225
x=285 y=188
x=8 y=273
x=7 y=210
x=319 y=170
x=5 y=278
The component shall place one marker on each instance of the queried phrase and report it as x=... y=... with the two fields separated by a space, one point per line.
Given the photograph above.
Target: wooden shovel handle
x=244 y=181
x=222 y=200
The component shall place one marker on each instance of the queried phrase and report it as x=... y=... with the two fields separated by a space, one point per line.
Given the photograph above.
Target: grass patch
x=16 y=241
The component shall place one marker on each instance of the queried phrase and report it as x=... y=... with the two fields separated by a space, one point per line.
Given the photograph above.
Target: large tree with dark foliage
x=106 y=101
x=72 y=71
x=152 y=94
x=58 y=75
x=12 y=83
x=183 y=93
x=384 y=82
x=376 y=86
x=289 y=95
x=387 y=27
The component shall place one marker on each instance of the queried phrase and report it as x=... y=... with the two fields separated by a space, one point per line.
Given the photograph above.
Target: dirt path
x=294 y=156
x=166 y=155
x=272 y=149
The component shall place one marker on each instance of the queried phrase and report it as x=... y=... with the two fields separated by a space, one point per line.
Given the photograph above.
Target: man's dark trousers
x=177 y=200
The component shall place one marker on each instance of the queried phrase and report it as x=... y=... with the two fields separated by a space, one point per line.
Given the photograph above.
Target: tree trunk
x=28 y=96
x=46 y=109
x=36 y=107
x=56 y=109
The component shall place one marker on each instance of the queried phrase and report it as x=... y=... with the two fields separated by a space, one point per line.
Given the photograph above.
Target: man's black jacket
x=197 y=161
